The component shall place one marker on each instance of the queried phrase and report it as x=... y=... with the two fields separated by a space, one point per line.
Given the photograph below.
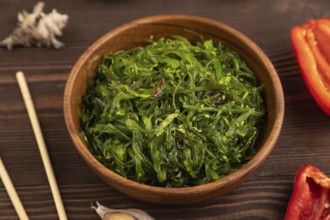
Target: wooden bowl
x=134 y=34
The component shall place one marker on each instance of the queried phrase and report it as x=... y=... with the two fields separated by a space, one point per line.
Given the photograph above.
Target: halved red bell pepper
x=311 y=44
x=311 y=195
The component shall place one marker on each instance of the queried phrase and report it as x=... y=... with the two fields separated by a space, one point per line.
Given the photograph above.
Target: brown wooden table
x=305 y=137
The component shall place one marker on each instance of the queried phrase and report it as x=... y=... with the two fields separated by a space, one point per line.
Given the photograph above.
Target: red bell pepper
x=311 y=44
x=311 y=195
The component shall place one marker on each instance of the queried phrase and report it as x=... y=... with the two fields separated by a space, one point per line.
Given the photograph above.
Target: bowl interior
x=137 y=33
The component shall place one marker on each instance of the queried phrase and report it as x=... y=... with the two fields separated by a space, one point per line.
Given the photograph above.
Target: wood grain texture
x=260 y=198
x=304 y=137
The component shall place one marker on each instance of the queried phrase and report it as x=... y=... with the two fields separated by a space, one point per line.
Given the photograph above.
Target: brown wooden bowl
x=134 y=34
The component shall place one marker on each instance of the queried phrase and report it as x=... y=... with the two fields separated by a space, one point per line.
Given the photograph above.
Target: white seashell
x=37 y=28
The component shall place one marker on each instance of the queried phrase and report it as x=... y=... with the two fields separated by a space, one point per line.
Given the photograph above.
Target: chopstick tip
x=19 y=73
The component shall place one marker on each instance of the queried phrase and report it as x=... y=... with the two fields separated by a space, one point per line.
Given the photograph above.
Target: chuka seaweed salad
x=172 y=114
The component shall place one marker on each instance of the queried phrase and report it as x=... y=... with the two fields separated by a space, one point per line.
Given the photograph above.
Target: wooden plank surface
x=304 y=138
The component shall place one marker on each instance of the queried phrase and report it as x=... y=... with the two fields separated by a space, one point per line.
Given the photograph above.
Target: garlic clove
x=118 y=216
x=135 y=214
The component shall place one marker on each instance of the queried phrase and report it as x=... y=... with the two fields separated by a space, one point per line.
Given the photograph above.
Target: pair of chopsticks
x=44 y=156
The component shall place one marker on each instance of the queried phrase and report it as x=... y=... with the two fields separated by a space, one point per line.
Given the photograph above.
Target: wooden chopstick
x=12 y=192
x=41 y=144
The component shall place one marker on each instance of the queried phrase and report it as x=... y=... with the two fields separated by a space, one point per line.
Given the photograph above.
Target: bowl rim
x=232 y=178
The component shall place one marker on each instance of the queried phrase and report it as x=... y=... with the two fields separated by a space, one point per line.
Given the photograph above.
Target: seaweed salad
x=172 y=113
